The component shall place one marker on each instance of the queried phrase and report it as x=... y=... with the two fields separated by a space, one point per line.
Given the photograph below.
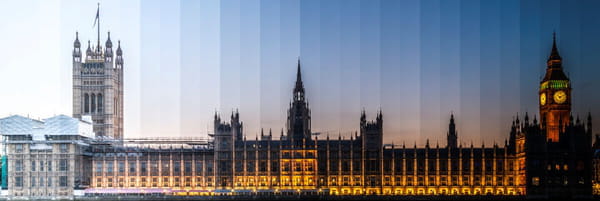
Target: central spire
x=299 y=89
x=554 y=55
x=299 y=85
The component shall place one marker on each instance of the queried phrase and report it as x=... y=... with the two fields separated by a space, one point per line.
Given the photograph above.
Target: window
x=100 y=101
x=32 y=181
x=63 y=165
x=19 y=148
x=198 y=168
x=86 y=103
x=109 y=167
x=121 y=167
x=19 y=181
x=64 y=148
x=41 y=181
x=176 y=167
x=535 y=181
x=99 y=167
x=33 y=165
x=41 y=165
x=143 y=167
x=188 y=167
x=93 y=110
x=63 y=181
x=49 y=181
x=49 y=166
x=131 y=167
x=18 y=165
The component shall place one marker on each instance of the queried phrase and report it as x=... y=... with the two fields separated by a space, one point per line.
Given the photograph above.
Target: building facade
x=550 y=158
x=546 y=159
x=98 y=86
x=46 y=158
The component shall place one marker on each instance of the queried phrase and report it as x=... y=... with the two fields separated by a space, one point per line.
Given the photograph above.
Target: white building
x=46 y=158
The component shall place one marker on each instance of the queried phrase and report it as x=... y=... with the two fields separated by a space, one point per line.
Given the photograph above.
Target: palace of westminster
x=86 y=155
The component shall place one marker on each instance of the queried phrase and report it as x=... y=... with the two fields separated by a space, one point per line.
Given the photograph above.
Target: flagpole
x=98 y=16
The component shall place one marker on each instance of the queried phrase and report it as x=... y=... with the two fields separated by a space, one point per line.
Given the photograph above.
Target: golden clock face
x=543 y=99
x=560 y=97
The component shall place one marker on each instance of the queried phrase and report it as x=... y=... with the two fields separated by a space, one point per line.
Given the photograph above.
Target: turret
x=108 y=52
x=119 y=59
x=88 y=52
x=452 y=134
x=76 y=49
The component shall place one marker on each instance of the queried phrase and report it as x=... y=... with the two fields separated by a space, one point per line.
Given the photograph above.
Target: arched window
x=100 y=102
x=86 y=103
x=93 y=103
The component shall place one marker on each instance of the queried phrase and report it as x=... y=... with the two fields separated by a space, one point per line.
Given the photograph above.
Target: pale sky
x=416 y=60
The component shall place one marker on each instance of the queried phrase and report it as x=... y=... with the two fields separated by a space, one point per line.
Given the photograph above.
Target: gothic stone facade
x=98 y=87
x=550 y=158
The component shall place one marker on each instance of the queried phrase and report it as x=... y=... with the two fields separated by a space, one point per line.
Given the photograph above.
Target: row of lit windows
x=153 y=182
x=420 y=181
x=153 y=167
x=132 y=166
x=249 y=181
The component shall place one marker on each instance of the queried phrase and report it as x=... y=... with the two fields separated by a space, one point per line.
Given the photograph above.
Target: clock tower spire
x=555 y=96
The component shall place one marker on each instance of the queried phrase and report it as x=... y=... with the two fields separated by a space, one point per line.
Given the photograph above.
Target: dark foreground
x=306 y=198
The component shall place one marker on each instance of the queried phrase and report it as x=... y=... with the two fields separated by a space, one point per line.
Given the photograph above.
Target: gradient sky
x=416 y=60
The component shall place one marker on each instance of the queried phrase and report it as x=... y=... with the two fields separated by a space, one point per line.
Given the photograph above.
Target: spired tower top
x=555 y=96
x=299 y=89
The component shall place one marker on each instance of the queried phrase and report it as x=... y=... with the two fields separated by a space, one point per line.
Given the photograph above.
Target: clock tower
x=554 y=96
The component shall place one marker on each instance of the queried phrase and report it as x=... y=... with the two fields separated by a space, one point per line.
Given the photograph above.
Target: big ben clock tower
x=555 y=96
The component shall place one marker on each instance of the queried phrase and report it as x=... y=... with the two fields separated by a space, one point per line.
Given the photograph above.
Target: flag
x=97 y=16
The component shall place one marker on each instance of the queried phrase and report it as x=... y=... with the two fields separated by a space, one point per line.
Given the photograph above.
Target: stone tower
x=298 y=121
x=555 y=96
x=98 y=86
x=452 y=134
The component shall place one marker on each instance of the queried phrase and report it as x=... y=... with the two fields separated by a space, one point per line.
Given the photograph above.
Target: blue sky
x=416 y=60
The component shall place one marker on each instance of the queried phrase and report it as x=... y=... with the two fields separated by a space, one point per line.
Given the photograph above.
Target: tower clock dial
x=543 y=99
x=560 y=97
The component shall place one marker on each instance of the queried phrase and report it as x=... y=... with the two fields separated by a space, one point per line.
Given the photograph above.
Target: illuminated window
x=165 y=181
x=535 y=181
